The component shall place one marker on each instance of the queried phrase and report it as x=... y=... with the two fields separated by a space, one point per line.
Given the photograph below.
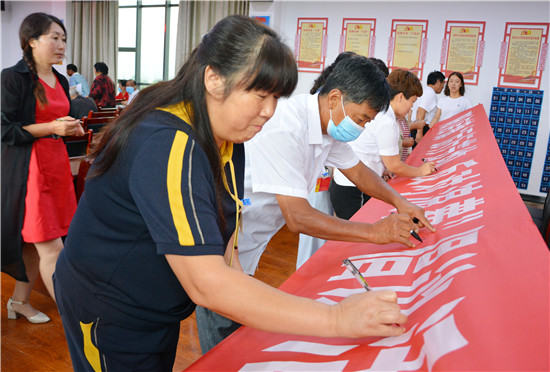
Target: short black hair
x=434 y=77
x=381 y=65
x=72 y=67
x=101 y=67
x=359 y=80
x=122 y=82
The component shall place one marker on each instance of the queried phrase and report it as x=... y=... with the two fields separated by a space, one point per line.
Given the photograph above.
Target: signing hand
x=416 y=213
x=395 y=228
x=374 y=313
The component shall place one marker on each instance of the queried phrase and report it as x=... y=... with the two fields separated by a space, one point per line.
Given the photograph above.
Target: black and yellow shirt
x=158 y=198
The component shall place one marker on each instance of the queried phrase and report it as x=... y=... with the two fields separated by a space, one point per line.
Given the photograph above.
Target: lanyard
x=238 y=208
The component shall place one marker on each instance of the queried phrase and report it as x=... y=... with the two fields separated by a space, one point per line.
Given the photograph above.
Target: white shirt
x=132 y=96
x=380 y=138
x=285 y=158
x=428 y=101
x=452 y=106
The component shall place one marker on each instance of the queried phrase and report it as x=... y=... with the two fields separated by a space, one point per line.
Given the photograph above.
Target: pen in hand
x=426 y=160
x=356 y=273
x=414 y=234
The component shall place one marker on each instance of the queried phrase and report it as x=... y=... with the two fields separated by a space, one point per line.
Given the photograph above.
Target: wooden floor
x=42 y=347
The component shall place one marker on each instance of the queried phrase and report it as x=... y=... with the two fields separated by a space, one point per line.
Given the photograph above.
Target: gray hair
x=73 y=91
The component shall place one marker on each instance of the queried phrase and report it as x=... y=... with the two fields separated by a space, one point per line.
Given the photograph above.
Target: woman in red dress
x=38 y=199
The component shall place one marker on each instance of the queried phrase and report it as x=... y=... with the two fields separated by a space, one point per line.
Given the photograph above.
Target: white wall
x=495 y=14
x=11 y=19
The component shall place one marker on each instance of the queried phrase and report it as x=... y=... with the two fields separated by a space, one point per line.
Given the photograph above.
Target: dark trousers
x=95 y=344
x=346 y=200
x=213 y=328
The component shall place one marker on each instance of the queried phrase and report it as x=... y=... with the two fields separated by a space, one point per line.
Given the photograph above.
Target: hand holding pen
x=383 y=308
x=414 y=234
x=431 y=165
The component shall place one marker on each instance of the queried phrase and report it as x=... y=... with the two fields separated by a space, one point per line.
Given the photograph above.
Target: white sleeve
x=387 y=138
x=428 y=102
x=341 y=156
x=277 y=160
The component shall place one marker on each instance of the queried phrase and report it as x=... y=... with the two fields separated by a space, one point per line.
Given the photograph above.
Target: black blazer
x=18 y=110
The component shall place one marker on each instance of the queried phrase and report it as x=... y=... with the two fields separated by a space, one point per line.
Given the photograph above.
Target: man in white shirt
x=285 y=159
x=424 y=109
x=131 y=89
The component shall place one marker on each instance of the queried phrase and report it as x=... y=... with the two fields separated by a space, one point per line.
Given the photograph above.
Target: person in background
x=322 y=78
x=103 y=88
x=127 y=278
x=454 y=101
x=381 y=65
x=75 y=79
x=122 y=93
x=38 y=196
x=378 y=146
x=425 y=107
x=132 y=90
x=80 y=106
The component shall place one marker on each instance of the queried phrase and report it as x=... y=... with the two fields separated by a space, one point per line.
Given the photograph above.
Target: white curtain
x=197 y=18
x=93 y=36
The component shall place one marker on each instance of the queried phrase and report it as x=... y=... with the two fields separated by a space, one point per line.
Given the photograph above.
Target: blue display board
x=545 y=182
x=514 y=117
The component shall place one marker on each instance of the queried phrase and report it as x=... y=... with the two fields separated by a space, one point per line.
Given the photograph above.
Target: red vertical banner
x=523 y=55
x=476 y=292
x=311 y=44
x=407 y=46
x=462 y=49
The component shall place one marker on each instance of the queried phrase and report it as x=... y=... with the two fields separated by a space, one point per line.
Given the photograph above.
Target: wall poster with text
x=358 y=35
x=523 y=55
x=462 y=49
x=310 y=44
x=408 y=45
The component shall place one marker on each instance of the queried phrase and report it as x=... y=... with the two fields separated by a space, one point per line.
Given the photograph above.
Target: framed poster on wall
x=523 y=55
x=462 y=49
x=310 y=44
x=358 y=35
x=408 y=45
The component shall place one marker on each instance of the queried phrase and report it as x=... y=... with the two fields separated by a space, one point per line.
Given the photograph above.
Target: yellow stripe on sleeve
x=91 y=352
x=173 y=181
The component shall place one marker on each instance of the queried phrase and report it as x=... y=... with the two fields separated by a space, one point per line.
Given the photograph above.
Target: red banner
x=476 y=291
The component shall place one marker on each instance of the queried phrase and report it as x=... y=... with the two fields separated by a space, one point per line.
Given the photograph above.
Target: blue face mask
x=129 y=90
x=346 y=131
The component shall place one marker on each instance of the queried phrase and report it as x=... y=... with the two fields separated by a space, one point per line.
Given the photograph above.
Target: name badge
x=323 y=183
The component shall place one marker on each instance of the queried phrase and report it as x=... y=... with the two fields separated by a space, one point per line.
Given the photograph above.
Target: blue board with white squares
x=515 y=117
x=545 y=182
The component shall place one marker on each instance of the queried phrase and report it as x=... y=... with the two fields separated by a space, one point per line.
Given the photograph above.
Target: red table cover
x=476 y=291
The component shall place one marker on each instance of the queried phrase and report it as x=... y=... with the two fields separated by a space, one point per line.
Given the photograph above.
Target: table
x=476 y=292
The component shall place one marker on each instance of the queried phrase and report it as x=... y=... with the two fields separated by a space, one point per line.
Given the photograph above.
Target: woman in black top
x=169 y=172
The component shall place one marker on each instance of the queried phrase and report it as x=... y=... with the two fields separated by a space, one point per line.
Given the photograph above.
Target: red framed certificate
x=310 y=44
x=462 y=49
x=358 y=35
x=408 y=45
x=523 y=55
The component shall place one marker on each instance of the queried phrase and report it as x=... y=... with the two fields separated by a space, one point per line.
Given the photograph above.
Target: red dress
x=50 y=202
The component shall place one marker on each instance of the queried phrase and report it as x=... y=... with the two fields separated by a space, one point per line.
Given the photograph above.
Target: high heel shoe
x=40 y=317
